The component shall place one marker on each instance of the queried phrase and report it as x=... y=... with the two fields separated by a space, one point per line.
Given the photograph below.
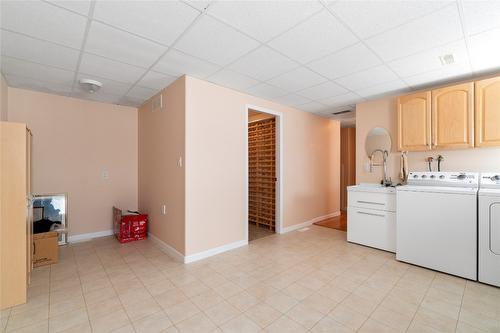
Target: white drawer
x=373 y=228
x=372 y=200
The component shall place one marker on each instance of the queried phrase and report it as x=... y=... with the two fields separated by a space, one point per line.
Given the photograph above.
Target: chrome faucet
x=386 y=181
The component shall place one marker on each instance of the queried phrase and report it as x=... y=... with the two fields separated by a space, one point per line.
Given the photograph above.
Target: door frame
x=279 y=166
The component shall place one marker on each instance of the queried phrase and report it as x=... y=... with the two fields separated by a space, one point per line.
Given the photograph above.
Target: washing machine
x=489 y=229
x=437 y=222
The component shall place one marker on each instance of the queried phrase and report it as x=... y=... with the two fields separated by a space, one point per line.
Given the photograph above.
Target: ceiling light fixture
x=447 y=59
x=90 y=86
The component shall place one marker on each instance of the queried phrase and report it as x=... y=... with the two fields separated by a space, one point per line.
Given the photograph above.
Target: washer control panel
x=490 y=180
x=458 y=179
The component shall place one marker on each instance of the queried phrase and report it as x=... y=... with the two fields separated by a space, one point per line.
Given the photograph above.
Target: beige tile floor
x=257 y=232
x=298 y=282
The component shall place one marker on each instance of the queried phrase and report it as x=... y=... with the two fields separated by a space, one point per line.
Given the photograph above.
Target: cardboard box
x=45 y=248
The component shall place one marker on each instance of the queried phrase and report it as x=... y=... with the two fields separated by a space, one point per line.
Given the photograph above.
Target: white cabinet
x=371 y=216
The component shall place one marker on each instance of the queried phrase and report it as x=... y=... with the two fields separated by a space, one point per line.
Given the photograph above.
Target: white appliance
x=489 y=229
x=437 y=222
x=371 y=212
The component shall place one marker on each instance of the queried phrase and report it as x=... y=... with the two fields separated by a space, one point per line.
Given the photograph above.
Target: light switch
x=179 y=162
x=163 y=209
x=105 y=174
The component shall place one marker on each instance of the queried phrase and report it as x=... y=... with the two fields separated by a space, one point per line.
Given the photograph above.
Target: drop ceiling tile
x=323 y=90
x=12 y=66
x=367 y=78
x=266 y=91
x=263 y=20
x=109 y=87
x=349 y=60
x=177 y=63
x=97 y=97
x=430 y=60
x=386 y=88
x=445 y=75
x=102 y=67
x=162 y=21
x=316 y=37
x=233 y=80
x=481 y=15
x=368 y=18
x=297 y=79
x=292 y=100
x=155 y=80
x=201 y=5
x=44 y=21
x=37 y=85
x=441 y=27
x=484 y=53
x=79 y=6
x=214 y=41
x=114 y=44
x=313 y=107
x=36 y=50
x=263 y=64
x=341 y=100
x=142 y=93
x=131 y=101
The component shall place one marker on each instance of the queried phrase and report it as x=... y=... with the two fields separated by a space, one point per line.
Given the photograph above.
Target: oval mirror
x=377 y=138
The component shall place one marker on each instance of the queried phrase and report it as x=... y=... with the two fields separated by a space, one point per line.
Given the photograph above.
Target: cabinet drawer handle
x=371 y=214
x=371 y=202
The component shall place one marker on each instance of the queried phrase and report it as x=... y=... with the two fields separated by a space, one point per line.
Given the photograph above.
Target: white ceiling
x=318 y=56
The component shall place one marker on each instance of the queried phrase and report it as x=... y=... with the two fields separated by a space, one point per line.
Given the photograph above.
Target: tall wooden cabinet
x=347 y=162
x=453 y=117
x=414 y=121
x=487 y=122
x=15 y=209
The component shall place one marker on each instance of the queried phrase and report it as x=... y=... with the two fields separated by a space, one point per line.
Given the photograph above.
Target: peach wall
x=74 y=140
x=216 y=127
x=161 y=180
x=382 y=113
x=4 y=96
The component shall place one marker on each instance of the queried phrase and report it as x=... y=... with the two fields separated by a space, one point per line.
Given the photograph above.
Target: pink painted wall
x=216 y=127
x=382 y=113
x=74 y=140
x=161 y=180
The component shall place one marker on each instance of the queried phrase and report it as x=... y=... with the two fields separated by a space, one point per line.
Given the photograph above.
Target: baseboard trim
x=179 y=257
x=89 y=236
x=308 y=223
x=212 y=252
x=172 y=252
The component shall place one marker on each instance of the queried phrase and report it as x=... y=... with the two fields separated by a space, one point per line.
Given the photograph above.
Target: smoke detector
x=90 y=86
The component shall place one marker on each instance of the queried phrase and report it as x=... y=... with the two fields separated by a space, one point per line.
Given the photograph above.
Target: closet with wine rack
x=262 y=173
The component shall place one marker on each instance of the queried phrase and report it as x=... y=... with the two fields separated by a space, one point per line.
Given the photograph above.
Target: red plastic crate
x=130 y=226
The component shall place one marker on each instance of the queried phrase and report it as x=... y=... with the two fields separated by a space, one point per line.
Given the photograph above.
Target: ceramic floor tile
x=243 y=301
x=305 y=315
x=181 y=311
x=328 y=325
x=240 y=324
x=263 y=314
x=222 y=313
x=285 y=324
x=155 y=323
x=195 y=324
x=109 y=322
x=68 y=320
x=348 y=317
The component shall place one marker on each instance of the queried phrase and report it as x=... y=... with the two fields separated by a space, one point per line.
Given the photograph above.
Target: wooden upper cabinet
x=414 y=122
x=453 y=117
x=487 y=97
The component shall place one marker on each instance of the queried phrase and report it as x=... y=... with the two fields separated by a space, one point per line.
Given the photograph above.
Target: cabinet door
x=453 y=117
x=487 y=112
x=414 y=122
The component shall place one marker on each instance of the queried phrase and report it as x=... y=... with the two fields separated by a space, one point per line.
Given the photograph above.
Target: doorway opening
x=264 y=171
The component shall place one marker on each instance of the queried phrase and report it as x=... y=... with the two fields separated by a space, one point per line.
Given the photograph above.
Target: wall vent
x=340 y=112
x=157 y=103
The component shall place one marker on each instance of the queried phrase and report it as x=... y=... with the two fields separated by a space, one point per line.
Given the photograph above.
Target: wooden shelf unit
x=262 y=173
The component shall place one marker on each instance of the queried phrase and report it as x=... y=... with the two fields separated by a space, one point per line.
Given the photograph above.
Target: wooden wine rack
x=262 y=173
